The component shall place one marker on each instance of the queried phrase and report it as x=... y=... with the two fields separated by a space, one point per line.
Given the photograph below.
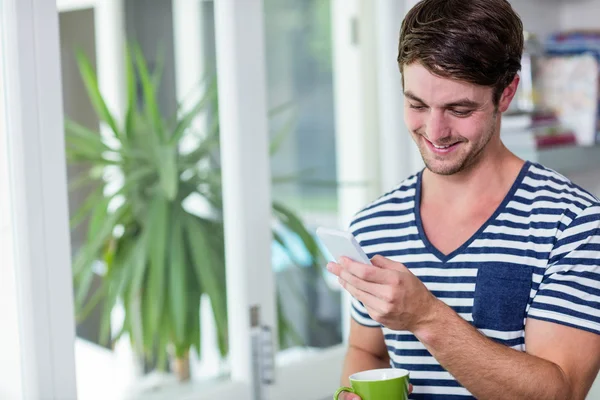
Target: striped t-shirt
x=538 y=256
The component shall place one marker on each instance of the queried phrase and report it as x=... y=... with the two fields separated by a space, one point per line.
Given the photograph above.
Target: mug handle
x=342 y=389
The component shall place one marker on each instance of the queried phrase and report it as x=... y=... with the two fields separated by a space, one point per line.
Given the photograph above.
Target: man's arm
x=366 y=350
x=560 y=363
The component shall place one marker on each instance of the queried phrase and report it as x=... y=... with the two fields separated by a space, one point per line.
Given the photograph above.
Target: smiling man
x=486 y=268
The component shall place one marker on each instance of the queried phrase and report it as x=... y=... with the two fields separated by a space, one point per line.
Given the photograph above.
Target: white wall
x=539 y=16
x=580 y=14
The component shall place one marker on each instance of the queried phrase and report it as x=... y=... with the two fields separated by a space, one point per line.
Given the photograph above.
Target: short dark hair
x=477 y=41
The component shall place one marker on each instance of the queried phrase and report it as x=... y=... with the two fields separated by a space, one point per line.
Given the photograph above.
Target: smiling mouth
x=441 y=149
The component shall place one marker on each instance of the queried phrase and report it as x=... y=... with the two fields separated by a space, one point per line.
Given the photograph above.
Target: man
x=486 y=276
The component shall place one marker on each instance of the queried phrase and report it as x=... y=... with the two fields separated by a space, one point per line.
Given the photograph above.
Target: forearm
x=358 y=360
x=488 y=369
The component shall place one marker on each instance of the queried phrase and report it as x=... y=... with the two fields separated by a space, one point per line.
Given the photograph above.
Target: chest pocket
x=501 y=296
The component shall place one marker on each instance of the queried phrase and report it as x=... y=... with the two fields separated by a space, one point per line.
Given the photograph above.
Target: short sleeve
x=569 y=293
x=360 y=314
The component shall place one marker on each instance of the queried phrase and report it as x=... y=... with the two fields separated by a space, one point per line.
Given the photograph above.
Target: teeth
x=441 y=147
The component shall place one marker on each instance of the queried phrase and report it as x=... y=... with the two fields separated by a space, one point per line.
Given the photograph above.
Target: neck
x=490 y=176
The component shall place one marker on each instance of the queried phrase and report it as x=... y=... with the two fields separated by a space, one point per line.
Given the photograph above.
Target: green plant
x=160 y=257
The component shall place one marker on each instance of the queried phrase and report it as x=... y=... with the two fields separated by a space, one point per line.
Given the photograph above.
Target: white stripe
x=512 y=244
x=587 y=227
x=401 y=345
x=569 y=305
x=557 y=287
x=441 y=390
x=565 y=318
x=558 y=205
x=361 y=320
x=450 y=287
x=509 y=335
x=445 y=272
x=575 y=279
x=387 y=207
x=508 y=216
x=379 y=221
x=558 y=268
x=536 y=183
x=387 y=233
x=441 y=375
x=546 y=193
x=419 y=360
x=400 y=245
x=535 y=232
x=565 y=248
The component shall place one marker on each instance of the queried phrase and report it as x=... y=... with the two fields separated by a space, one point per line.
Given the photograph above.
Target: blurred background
x=146 y=95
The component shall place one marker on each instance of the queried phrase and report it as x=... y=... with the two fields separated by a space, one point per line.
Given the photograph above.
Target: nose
x=437 y=128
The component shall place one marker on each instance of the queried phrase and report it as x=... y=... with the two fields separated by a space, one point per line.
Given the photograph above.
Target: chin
x=445 y=169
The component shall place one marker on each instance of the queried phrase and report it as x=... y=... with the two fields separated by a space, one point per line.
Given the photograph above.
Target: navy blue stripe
x=545 y=178
x=397 y=253
x=566 y=311
x=386 y=213
x=448 y=279
x=392 y=199
x=510 y=342
x=574 y=285
x=584 y=219
x=419 y=367
x=571 y=239
x=401 y=337
x=532 y=189
x=534 y=211
x=529 y=225
x=584 y=328
x=362 y=314
x=562 y=200
x=507 y=250
x=571 y=298
x=519 y=238
x=389 y=240
x=427 y=396
x=382 y=227
x=435 y=382
x=453 y=294
x=409 y=352
x=579 y=261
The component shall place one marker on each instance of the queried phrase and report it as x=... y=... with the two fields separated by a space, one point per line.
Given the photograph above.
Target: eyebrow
x=458 y=103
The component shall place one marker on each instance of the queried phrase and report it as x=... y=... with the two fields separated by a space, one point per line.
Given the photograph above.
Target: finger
x=365 y=286
x=334 y=268
x=348 y=396
x=410 y=388
x=367 y=272
x=367 y=299
x=387 y=264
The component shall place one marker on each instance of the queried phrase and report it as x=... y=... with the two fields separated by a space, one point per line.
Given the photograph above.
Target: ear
x=508 y=94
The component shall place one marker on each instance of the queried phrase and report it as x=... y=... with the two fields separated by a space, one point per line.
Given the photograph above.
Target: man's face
x=452 y=122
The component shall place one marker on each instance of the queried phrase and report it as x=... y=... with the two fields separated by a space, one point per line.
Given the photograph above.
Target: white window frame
x=40 y=293
x=39 y=286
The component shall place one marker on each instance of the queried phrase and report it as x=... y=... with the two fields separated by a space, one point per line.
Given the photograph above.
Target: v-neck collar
x=443 y=257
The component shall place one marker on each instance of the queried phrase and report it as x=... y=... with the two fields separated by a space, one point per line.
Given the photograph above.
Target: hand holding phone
x=342 y=244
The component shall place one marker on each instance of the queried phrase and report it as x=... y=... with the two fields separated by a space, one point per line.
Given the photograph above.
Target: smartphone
x=342 y=244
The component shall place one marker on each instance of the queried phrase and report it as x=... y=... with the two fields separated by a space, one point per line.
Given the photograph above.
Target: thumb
x=348 y=396
x=386 y=263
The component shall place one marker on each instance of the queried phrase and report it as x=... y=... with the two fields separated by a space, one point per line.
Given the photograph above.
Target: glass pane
x=146 y=233
x=303 y=164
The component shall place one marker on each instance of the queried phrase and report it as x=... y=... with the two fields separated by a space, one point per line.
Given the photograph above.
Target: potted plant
x=159 y=256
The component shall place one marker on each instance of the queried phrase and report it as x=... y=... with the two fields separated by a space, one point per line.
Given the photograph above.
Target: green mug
x=378 y=384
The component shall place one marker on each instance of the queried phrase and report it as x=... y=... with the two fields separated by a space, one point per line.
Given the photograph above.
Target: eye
x=418 y=107
x=462 y=113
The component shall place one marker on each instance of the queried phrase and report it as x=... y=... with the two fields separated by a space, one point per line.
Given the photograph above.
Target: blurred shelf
x=571 y=159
